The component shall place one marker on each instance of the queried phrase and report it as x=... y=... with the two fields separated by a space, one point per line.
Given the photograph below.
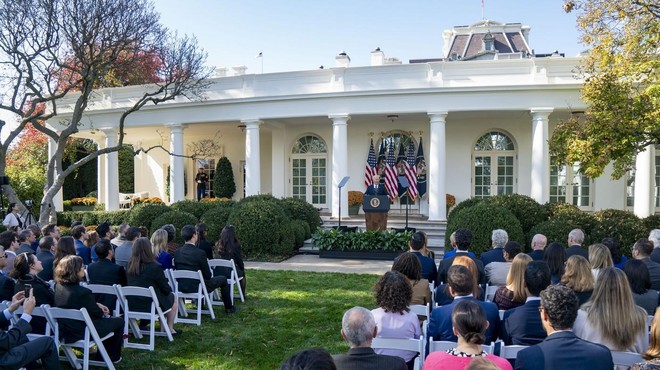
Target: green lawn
x=285 y=311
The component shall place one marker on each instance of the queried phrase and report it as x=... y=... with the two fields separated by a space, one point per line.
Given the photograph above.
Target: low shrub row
x=374 y=240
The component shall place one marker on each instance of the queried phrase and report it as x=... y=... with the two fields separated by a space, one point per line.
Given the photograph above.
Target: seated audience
x=123 y=252
x=415 y=245
x=498 y=238
x=103 y=231
x=555 y=257
x=442 y=295
x=481 y=363
x=144 y=271
x=25 y=238
x=159 y=245
x=309 y=359
x=171 y=233
x=452 y=243
x=640 y=285
x=652 y=355
x=105 y=272
x=9 y=241
x=497 y=272
x=579 y=278
x=358 y=328
x=6 y=283
x=425 y=251
x=228 y=247
x=461 y=287
x=575 y=240
x=46 y=255
x=611 y=317
x=79 y=234
x=641 y=251
x=562 y=349
x=409 y=266
x=618 y=259
x=69 y=272
x=522 y=325
x=25 y=272
x=539 y=241
x=463 y=241
x=393 y=317
x=202 y=243
x=654 y=238
x=599 y=258
x=513 y=294
x=65 y=247
x=92 y=239
x=469 y=325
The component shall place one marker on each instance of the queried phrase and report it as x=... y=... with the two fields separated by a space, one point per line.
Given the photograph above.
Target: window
x=568 y=185
x=309 y=172
x=494 y=165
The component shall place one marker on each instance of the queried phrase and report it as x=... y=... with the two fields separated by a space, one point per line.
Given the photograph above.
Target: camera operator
x=13 y=218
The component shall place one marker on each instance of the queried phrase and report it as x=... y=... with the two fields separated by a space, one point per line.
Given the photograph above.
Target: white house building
x=484 y=113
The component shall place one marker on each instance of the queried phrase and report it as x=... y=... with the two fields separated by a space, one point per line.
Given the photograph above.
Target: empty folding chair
x=200 y=297
x=131 y=317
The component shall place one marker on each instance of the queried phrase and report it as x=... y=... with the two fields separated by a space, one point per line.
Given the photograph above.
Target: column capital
x=252 y=122
x=176 y=128
x=109 y=130
x=542 y=111
x=438 y=115
x=339 y=118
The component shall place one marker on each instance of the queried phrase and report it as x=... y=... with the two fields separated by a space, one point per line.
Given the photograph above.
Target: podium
x=375 y=209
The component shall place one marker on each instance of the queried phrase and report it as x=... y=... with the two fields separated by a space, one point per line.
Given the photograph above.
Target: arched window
x=309 y=144
x=494 y=170
x=309 y=172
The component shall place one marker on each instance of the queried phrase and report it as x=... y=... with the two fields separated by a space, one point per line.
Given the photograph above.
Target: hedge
x=66 y=218
x=215 y=219
x=556 y=230
x=652 y=222
x=192 y=206
x=623 y=226
x=299 y=228
x=259 y=224
x=177 y=218
x=573 y=216
x=298 y=209
x=528 y=211
x=144 y=214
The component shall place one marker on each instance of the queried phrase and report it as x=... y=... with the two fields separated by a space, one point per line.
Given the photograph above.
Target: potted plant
x=451 y=201
x=354 y=202
x=83 y=204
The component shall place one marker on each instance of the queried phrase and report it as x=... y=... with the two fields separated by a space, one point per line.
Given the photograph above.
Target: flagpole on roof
x=261 y=56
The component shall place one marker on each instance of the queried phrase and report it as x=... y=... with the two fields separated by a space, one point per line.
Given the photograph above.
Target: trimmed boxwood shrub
x=481 y=220
x=298 y=209
x=287 y=242
x=257 y=198
x=556 y=230
x=372 y=240
x=192 y=206
x=652 y=222
x=258 y=224
x=298 y=228
x=91 y=217
x=144 y=214
x=621 y=225
x=573 y=216
x=215 y=219
x=463 y=205
x=528 y=211
x=177 y=218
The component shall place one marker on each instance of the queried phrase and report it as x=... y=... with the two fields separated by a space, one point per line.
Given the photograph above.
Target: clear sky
x=301 y=35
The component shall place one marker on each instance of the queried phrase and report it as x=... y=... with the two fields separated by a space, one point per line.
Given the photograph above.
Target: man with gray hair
x=498 y=239
x=539 y=242
x=358 y=328
x=654 y=237
x=575 y=240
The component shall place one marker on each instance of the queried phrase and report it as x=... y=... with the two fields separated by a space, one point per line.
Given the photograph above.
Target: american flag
x=391 y=182
x=411 y=171
x=370 y=169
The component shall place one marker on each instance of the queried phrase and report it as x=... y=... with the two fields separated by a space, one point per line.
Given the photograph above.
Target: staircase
x=435 y=230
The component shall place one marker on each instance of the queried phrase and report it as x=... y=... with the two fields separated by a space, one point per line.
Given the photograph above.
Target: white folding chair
x=421 y=309
x=502 y=314
x=407 y=344
x=86 y=275
x=109 y=290
x=90 y=339
x=234 y=281
x=490 y=292
x=443 y=345
x=200 y=297
x=627 y=359
x=38 y=311
x=511 y=352
x=432 y=288
x=131 y=317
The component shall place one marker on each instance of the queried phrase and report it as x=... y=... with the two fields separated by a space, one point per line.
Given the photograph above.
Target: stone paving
x=310 y=262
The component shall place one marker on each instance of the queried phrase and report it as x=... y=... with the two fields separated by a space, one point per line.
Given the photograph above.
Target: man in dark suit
x=463 y=241
x=105 y=272
x=654 y=237
x=376 y=188
x=429 y=269
x=358 y=328
x=575 y=240
x=26 y=238
x=460 y=287
x=191 y=258
x=6 y=284
x=46 y=255
x=36 y=232
x=562 y=349
x=79 y=234
x=498 y=239
x=642 y=251
x=15 y=349
x=522 y=325
x=539 y=241
x=104 y=232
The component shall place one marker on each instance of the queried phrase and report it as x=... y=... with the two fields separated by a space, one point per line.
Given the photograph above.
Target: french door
x=309 y=179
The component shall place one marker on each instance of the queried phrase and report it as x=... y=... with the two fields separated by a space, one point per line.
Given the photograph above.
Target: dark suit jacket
x=24 y=248
x=654 y=271
x=445 y=264
x=655 y=255
x=576 y=249
x=77 y=296
x=6 y=288
x=46 y=258
x=151 y=275
x=84 y=252
x=429 y=269
x=440 y=325
x=207 y=248
x=536 y=255
x=522 y=325
x=371 y=190
x=493 y=255
x=105 y=272
x=367 y=359
x=191 y=258
x=14 y=336
x=42 y=294
x=564 y=350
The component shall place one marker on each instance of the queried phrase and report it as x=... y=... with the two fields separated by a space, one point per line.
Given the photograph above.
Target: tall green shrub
x=177 y=218
x=126 y=171
x=223 y=181
x=572 y=216
x=192 y=206
x=298 y=209
x=528 y=211
x=258 y=223
x=556 y=230
x=620 y=225
x=144 y=214
x=215 y=219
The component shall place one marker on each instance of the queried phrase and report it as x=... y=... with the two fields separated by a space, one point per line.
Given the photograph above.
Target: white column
x=57 y=199
x=540 y=181
x=339 y=162
x=177 y=186
x=437 y=168
x=252 y=157
x=644 y=182
x=100 y=173
x=111 y=169
x=278 y=160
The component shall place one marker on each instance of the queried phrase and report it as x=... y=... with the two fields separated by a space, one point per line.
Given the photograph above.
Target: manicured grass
x=285 y=312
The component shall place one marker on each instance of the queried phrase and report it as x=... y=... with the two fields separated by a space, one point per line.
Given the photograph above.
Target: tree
x=621 y=89
x=56 y=49
x=223 y=181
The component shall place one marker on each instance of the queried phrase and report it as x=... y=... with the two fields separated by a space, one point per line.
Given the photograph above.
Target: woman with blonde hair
x=513 y=294
x=408 y=264
x=442 y=295
x=579 y=278
x=159 y=248
x=652 y=355
x=599 y=258
x=611 y=317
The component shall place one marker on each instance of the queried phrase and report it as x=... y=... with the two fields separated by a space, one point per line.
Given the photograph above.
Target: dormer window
x=489 y=42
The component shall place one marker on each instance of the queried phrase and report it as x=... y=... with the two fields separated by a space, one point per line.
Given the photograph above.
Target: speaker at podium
x=375 y=209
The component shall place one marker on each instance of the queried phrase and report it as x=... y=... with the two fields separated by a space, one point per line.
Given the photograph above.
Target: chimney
x=377 y=57
x=220 y=72
x=239 y=70
x=342 y=60
x=446 y=42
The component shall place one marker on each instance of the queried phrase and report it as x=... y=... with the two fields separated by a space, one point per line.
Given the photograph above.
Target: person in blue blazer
x=562 y=349
x=376 y=188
